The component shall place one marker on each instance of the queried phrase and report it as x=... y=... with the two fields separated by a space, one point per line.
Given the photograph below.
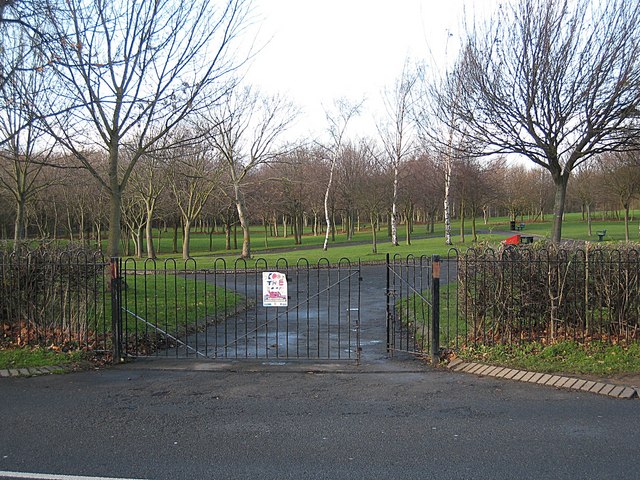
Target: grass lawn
x=360 y=246
x=174 y=303
x=37 y=357
x=595 y=358
x=177 y=303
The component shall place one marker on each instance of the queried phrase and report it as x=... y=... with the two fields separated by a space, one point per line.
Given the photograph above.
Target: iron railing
x=79 y=299
x=517 y=294
x=53 y=298
x=182 y=310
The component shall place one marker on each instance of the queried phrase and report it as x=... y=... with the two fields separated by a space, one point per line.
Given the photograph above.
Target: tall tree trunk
x=69 y=225
x=115 y=202
x=626 y=221
x=462 y=219
x=447 y=202
x=560 y=181
x=265 y=224
x=394 y=208
x=244 y=223
x=374 y=238
x=175 y=236
x=17 y=228
x=148 y=231
x=474 y=232
x=186 y=238
x=98 y=228
x=326 y=203
x=139 y=244
x=227 y=236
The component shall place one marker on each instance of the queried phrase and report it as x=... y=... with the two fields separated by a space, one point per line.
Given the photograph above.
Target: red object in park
x=515 y=240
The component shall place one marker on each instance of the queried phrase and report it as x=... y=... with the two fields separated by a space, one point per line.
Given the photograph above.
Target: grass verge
x=25 y=357
x=594 y=358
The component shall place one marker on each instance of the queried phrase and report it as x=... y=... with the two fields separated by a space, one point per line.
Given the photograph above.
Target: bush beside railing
x=53 y=296
x=549 y=293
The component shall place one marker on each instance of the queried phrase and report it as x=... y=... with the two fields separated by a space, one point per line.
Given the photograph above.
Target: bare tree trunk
x=246 y=235
x=447 y=200
x=227 y=236
x=139 y=244
x=560 y=182
x=626 y=222
x=175 y=236
x=326 y=203
x=374 y=238
x=186 y=229
x=394 y=208
x=462 y=219
x=98 y=228
x=19 y=222
x=115 y=217
x=151 y=251
x=474 y=232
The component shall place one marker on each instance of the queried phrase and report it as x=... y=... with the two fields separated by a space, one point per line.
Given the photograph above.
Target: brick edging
x=31 y=371
x=551 y=380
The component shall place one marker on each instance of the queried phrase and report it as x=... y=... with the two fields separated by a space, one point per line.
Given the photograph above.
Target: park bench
x=520 y=227
x=601 y=234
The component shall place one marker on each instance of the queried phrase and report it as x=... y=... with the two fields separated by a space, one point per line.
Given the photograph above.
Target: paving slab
x=578 y=385
x=527 y=377
x=570 y=382
x=606 y=389
x=553 y=380
x=543 y=379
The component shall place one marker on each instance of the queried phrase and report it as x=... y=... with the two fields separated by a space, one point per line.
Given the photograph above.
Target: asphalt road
x=161 y=419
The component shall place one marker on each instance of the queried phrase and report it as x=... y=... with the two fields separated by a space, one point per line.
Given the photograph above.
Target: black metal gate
x=413 y=305
x=222 y=311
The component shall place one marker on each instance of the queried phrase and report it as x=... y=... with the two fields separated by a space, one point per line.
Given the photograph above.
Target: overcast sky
x=319 y=50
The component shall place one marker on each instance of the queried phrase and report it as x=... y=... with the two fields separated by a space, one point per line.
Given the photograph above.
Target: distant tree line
x=121 y=119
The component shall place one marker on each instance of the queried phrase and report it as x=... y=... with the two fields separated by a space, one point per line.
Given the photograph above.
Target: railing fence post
x=116 y=309
x=435 y=317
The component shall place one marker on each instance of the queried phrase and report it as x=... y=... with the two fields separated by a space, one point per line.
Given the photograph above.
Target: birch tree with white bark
x=344 y=111
x=396 y=133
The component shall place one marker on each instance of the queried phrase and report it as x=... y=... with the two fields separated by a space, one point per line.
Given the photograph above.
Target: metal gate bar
x=218 y=313
x=413 y=305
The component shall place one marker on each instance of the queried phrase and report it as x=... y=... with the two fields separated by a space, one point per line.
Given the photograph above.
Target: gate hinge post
x=116 y=309
x=435 y=317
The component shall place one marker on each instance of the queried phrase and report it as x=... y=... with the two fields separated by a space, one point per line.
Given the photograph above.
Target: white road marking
x=46 y=476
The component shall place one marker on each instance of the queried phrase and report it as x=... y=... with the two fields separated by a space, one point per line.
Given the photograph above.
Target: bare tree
x=27 y=43
x=245 y=130
x=149 y=182
x=371 y=190
x=396 y=134
x=621 y=177
x=24 y=151
x=131 y=71
x=193 y=175
x=586 y=189
x=338 y=122
x=555 y=81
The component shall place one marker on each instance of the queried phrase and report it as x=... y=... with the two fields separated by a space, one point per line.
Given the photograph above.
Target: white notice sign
x=274 y=289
